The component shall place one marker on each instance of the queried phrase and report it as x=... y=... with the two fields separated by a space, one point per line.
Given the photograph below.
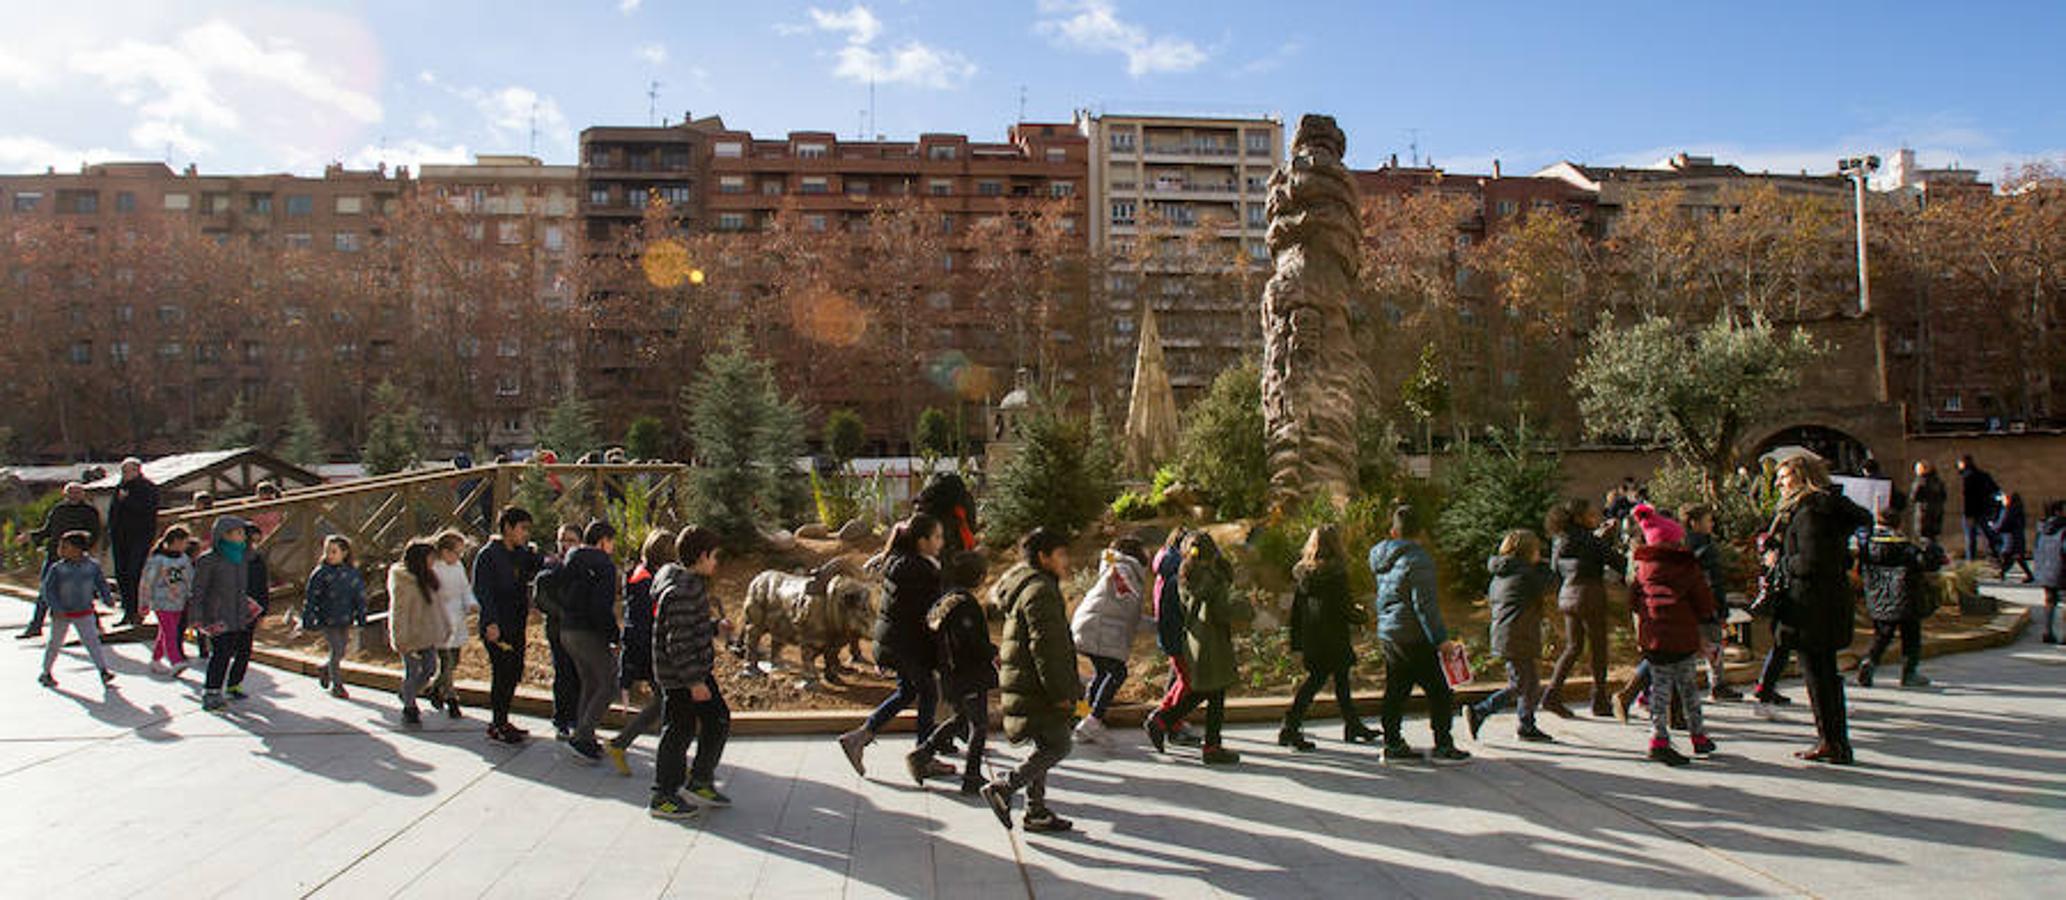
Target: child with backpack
x=70 y=586
x=1670 y=597
x=1892 y=568
x=333 y=603
x=167 y=574
x=1104 y=626
x=968 y=671
x=2049 y=562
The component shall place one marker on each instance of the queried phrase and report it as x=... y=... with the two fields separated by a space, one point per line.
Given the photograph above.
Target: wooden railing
x=379 y=515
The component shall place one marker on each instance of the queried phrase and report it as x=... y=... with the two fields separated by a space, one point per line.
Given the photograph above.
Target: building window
x=731 y=184
x=509 y=348
x=82 y=353
x=301 y=204
x=1463 y=242
x=946 y=223
x=259 y=204
x=810 y=151
x=125 y=201
x=509 y=232
x=1122 y=212
x=1955 y=403
x=946 y=262
x=171 y=350
x=940 y=300
x=351 y=205
x=674 y=159
x=555 y=237
x=215 y=203
x=941 y=187
x=80 y=202
x=345 y=241
x=728 y=149
x=254 y=351
x=476 y=231
x=1068 y=224
x=1255 y=216
x=1258 y=142
x=771 y=187
x=300 y=240
x=1061 y=189
x=814 y=222
x=599 y=196
x=1259 y=251
x=731 y=221
x=119 y=351
x=817 y=184
x=939 y=152
x=1057 y=154
x=179 y=202
x=858 y=187
x=989 y=189
x=1504 y=208
x=508 y=386
x=25 y=201
x=676 y=194
x=1123 y=141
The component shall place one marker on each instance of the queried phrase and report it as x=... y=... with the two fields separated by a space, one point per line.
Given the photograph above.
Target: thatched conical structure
x=1151 y=426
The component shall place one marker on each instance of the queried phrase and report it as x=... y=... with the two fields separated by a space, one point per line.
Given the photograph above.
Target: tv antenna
x=1413 y=146
x=652 y=102
x=1022 y=103
x=534 y=128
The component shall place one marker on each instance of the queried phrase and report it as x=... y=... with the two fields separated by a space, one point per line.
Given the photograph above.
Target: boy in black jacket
x=687 y=624
x=1892 y=568
x=968 y=671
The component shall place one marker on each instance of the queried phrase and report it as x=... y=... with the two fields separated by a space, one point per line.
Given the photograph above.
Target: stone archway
x=1846 y=454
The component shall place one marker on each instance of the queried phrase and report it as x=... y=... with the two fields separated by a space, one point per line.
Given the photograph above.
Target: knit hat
x=1658 y=528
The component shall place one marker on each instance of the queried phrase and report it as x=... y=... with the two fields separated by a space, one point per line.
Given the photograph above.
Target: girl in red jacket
x=1670 y=597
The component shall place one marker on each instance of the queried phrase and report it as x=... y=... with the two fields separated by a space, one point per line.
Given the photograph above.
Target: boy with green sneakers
x=686 y=625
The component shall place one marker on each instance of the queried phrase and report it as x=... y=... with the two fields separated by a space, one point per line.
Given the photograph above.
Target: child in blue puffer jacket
x=333 y=603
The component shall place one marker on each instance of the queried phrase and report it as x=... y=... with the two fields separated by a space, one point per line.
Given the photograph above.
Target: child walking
x=1409 y=629
x=1104 y=626
x=1714 y=635
x=167 y=574
x=1205 y=584
x=1038 y=678
x=221 y=606
x=2050 y=562
x=416 y=624
x=1892 y=568
x=687 y=623
x=333 y=603
x=70 y=586
x=1670 y=597
x=1520 y=584
x=455 y=600
x=1169 y=638
x=635 y=660
x=1324 y=619
x=968 y=671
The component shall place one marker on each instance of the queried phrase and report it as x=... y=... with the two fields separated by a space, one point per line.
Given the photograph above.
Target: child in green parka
x=1205 y=582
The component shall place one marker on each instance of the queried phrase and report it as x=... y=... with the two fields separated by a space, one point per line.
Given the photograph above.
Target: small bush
x=1492 y=490
x=1134 y=506
x=1059 y=477
x=1221 y=450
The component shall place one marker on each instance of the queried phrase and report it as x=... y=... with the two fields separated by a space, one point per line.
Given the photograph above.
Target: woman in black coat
x=903 y=643
x=1581 y=557
x=1817 y=617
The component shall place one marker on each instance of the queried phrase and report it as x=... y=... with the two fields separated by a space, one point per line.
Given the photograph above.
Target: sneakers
x=505 y=734
x=1723 y=693
x=1775 y=698
x=1473 y=719
x=1290 y=737
x=46 y=680
x=181 y=666
x=1219 y=756
x=1157 y=735
x=452 y=708
x=1399 y=752
x=707 y=795
x=323 y=678
x=212 y=701
x=1447 y=753
x=562 y=733
x=618 y=760
x=29 y=634
x=851 y=744
x=919 y=763
x=1359 y=733
x=672 y=808
x=1043 y=820
x=236 y=692
x=1914 y=679
x=1663 y=752
x=1185 y=737
x=412 y=717
x=1090 y=731
x=1703 y=745
x=161 y=668
x=998 y=795
x=1534 y=735
x=585 y=753
x=1865 y=675
x=1555 y=705
x=337 y=690
x=107 y=677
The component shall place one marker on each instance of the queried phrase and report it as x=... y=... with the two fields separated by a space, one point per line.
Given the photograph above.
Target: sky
x=268 y=86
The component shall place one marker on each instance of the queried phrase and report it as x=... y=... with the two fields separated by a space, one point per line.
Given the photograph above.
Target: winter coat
x=1582 y=559
x=635 y=664
x=71 y=585
x=1407 y=609
x=1110 y=614
x=62 y=519
x=1708 y=553
x=1820 y=602
x=258 y=580
x=947 y=499
x=1210 y=614
x=684 y=644
x=591 y=595
x=1517 y=592
x=1169 y=608
x=219 y=595
x=968 y=660
x=2009 y=527
x=415 y=619
x=456 y=596
x=167 y=580
x=501 y=587
x=1324 y=618
x=335 y=597
x=1977 y=491
x=1670 y=597
x=2049 y=562
x=912 y=583
x=1928 y=494
x=1892 y=569
x=1037 y=664
x=133 y=520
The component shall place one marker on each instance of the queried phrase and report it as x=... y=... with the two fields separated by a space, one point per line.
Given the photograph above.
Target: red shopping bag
x=1456 y=665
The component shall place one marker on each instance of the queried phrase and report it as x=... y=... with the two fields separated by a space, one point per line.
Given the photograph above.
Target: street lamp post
x=1858 y=168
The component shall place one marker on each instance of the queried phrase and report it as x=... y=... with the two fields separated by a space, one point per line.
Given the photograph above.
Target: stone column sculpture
x=1312 y=374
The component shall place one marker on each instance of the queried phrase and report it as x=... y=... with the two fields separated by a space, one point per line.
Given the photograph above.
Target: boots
x=852 y=743
x=1355 y=732
x=1865 y=674
x=1603 y=704
x=1290 y=736
x=1911 y=674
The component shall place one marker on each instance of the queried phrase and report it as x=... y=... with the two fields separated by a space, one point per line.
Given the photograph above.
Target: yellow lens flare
x=666 y=264
x=827 y=317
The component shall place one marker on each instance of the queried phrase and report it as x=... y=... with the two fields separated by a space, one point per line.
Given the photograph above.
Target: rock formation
x=1312 y=374
x=1151 y=427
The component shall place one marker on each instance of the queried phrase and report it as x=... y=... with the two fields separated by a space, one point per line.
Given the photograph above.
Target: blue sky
x=279 y=86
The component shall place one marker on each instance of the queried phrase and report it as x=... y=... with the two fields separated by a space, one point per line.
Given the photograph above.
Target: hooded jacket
x=1037 y=674
x=968 y=660
x=684 y=644
x=1670 y=597
x=1815 y=550
x=1517 y=592
x=415 y=619
x=1324 y=618
x=1112 y=611
x=1407 y=609
x=635 y=663
x=2048 y=564
x=591 y=594
x=1892 y=569
x=912 y=583
x=1210 y=614
x=219 y=594
x=1582 y=559
x=335 y=597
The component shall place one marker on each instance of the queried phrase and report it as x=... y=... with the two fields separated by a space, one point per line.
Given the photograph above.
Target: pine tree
x=646 y=438
x=570 y=428
x=304 y=444
x=1059 y=477
x=747 y=437
x=236 y=430
x=936 y=437
x=844 y=435
x=394 y=438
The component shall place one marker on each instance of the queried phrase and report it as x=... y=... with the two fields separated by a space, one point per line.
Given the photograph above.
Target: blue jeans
x=914 y=685
x=1108 y=675
x=1523 y=690
x=1977 y=530
x=42 y=609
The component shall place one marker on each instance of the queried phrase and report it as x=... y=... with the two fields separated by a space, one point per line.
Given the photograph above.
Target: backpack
x=549 y=591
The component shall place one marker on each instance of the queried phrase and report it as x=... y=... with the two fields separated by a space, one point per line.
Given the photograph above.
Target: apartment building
x=1177 y=209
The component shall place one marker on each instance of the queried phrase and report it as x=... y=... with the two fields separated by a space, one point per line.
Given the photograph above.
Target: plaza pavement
x=137 y=792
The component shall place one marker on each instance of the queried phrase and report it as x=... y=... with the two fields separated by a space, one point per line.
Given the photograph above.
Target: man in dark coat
x=132 y=530
x=1927 y=494
x=73 y=513
x=1977 y=491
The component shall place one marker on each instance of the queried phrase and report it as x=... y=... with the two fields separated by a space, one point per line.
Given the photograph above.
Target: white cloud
x=187 y=81
x=509 y=112
x=858 y=21
x=412 y=153
x=1094 y=26
x=911 y=63
x=157 y=133
x=1276 y=59
x=653 y=54
x=628 y=7
x=25 y=154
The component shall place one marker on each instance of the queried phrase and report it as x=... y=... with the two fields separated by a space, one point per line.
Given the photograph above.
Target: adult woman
x=416 y=623
x=1581 y=556
x=1816 y=525
x=903 y=644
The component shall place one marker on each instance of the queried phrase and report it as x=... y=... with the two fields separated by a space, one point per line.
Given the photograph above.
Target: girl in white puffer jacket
x=1104 y=626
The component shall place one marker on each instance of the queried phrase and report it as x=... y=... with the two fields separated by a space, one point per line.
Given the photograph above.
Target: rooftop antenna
x=1022 y=103
x=861 y=125
x=534 y=128
x=652 y=102
x=1413 y=146
x=871 y=106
